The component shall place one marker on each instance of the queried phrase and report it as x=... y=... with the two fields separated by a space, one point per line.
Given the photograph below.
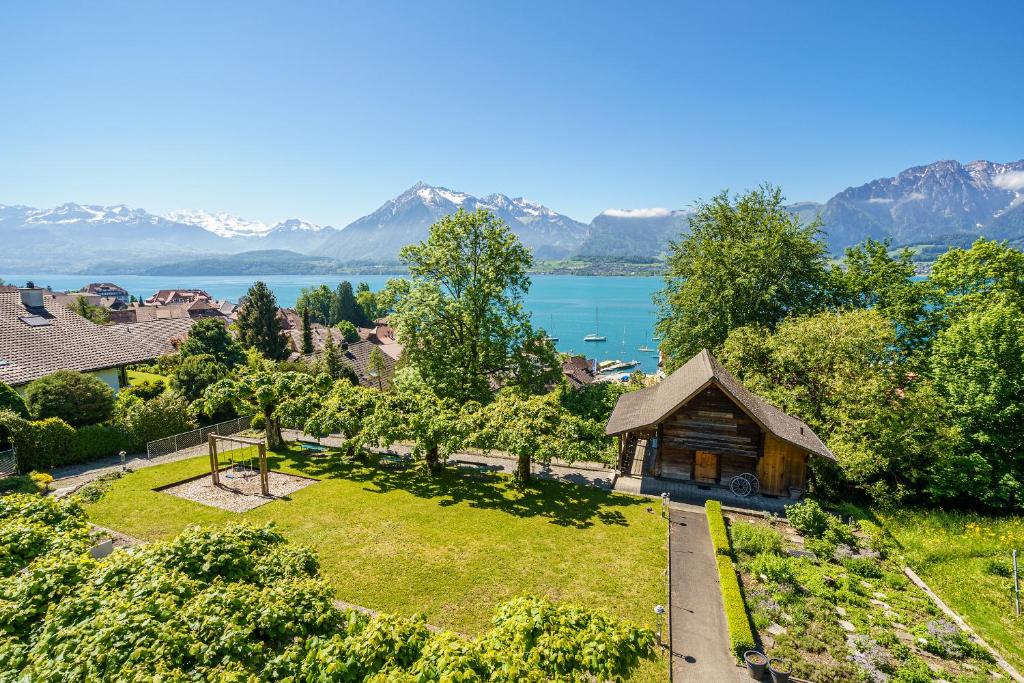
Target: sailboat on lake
x=644 y=348
x=551 y=338
x=595 y=336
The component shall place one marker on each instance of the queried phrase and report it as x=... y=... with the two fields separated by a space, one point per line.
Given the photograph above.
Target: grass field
x=137 y=376
x=450 y=546
x=965 y=558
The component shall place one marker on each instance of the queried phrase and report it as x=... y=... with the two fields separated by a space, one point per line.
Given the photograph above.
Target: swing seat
x=314 y=447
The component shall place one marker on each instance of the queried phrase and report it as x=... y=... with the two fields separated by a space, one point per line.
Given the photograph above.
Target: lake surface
x=564 y=305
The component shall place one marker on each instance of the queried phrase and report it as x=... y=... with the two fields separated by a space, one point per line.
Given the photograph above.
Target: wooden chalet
x=700 y=424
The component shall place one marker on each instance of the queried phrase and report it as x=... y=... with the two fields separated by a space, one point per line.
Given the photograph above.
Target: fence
x=8 y=464
x=197 y=437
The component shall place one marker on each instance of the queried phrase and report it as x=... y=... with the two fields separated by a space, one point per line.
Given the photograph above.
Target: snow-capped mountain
x=223 y=224
x=407 y=218
x=940 y=203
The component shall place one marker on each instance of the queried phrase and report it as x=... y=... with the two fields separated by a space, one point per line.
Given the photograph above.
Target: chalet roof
x=358 y=356
x=578 y=371
x=57 y=339
x=651 y=405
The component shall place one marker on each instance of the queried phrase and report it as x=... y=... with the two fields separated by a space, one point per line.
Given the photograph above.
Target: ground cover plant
x=239 y=603
x=846 y=613
x=448 y=545
x=966 y=559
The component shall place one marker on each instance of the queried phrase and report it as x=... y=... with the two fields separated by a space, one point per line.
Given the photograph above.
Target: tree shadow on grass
x=564 y=504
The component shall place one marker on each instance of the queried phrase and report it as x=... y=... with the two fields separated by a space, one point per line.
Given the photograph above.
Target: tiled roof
x=358 y=356
x=158 y=337
x=647 y=407
x=578 y=371
x=66 y=342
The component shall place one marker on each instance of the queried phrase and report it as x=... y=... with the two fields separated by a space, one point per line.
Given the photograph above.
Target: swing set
x=246 y=457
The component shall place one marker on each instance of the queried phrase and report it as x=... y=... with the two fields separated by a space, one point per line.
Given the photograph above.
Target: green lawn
x=450 y=546
x=138 y=376
x=965 y=558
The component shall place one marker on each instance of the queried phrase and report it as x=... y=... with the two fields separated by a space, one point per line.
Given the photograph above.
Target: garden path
x=700 y=640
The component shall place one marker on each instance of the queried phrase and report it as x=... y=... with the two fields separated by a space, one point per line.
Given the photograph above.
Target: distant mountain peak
x=223 y=224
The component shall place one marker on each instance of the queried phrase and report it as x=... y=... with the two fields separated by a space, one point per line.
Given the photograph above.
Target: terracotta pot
x=756 y=663
x=780 y=670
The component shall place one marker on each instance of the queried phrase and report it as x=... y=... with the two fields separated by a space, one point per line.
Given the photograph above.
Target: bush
x=808 y=518
x=96 y=441
x=754 y=539
x=145 y=421
x=42 y=444
x=146 y=389
x=12 y=400
x=77 y=398
x=195 y=373
x=774 y=568
x=716 y=526
x=349 y=333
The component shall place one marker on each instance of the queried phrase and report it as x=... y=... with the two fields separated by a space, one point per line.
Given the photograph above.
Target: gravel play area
x=237 y=494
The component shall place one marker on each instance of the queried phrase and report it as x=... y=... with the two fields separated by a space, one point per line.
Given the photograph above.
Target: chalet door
x=705 y=468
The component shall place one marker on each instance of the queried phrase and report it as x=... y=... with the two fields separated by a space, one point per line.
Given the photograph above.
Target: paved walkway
x=700 y=641
x=690 y=492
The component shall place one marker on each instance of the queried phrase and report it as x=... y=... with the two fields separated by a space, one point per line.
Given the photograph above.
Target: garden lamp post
x=124 y=467
x=659 y=611
x=664 y=504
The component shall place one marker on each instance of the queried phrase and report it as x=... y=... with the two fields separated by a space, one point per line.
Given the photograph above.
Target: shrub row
x=741 y=637
x=44 y=444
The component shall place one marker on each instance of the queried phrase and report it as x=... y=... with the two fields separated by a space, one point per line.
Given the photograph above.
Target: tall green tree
x=346 y=410
x=259 y=326
x=963 y=280
x=319 y=301
x=368 y=302
x=97 y=314
x=377 y=367
x=978 y=366
x=460 y=315
x=307 y=333
x=195 y=373
x=210 y=337
x=745 y=261
x=333 y=364
x=345 y=306
x=870 y=277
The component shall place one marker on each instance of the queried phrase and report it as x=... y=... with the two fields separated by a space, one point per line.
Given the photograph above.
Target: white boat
x=644 y=349
x=550 y=337
x=607 y=367
x=595 y=336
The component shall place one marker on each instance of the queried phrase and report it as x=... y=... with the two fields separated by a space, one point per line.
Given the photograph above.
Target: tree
x=349 y=333
x=332 y=363
x=97 y=314
x=978 y=366
x=146 y=421
x=368 y=302
x=436 y=426
x=209 y=336
x=531 y=428
x=319 y=301
x=258 y=324
x=77 y=398
x=346 y=308
x=12 y=400
x=745 y=262
x=276 y=397
x=460 y=316
x=307 y=333
x=377 y=366
x=840 y=372
x=195 y=373
x=871 y=278
x=346 y=411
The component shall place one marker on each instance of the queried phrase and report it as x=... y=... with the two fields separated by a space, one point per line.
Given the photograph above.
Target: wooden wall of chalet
x=782 y=466
x=712 y=423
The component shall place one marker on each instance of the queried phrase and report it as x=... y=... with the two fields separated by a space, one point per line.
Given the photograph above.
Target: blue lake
x=564 y=305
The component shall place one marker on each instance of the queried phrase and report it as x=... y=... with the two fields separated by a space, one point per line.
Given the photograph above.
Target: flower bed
x=836 y=605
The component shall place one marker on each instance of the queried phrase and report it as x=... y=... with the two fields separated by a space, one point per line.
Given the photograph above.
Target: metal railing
x=8 y=463
x=196 y=437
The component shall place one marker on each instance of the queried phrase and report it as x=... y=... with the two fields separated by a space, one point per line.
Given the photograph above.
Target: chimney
x=31 y=297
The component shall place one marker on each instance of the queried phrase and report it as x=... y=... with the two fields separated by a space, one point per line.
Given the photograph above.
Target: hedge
x=44 y=444
x=716 y=525
x=741 y=637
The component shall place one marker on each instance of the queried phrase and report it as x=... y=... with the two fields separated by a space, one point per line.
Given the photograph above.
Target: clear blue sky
x=325 y=110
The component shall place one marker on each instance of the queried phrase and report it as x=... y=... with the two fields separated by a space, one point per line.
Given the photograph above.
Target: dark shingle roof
x=156 y=337
x=66 y=342
x=647 y=407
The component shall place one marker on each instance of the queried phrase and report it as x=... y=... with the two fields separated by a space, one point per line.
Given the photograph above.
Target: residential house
x=39 y=336
x=108 y=290
x=579 y=371
x=701 y=425
x=167 y=297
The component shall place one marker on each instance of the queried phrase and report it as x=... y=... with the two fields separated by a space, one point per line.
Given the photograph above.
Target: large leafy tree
x=259 y=326
x=369 y=302
x=978 y=366
x=345 y=307
x=77 y=398
x=745 y=261
x=195 y=373
x=277 y=397
x=460 y=316
x=840 y=372
x=318 y=302
x=346 y=410
x=210 y=337
x=871 y=277
x=532 y=428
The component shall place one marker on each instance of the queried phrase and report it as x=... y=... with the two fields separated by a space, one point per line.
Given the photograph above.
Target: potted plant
x=780 y=670
x=756 y=663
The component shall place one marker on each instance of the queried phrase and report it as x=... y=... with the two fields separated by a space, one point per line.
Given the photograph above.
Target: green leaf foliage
x=259 y=326
x=12 y=400
x=75 y=397
x=746 y=261
x=194 y=373
x=741 y=637
x=716 y=527
x=145 y=421
x=210 y=337
x=238 y=603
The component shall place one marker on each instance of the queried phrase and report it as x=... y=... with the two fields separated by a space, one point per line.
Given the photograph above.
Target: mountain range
x=928 y=207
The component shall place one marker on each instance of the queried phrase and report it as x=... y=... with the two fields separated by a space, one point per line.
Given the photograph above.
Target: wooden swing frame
x=259 y=443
